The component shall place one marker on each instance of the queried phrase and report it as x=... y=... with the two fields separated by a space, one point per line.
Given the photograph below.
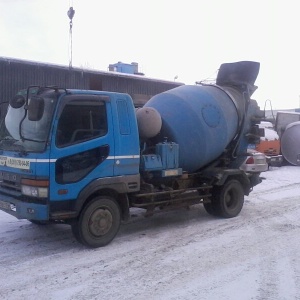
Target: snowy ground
x=184 y=254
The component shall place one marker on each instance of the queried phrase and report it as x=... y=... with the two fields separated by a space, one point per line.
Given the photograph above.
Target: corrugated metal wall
x=18 y=74
x=15 y=75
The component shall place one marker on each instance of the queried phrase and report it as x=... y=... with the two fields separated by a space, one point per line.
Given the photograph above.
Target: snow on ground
x=184 y=254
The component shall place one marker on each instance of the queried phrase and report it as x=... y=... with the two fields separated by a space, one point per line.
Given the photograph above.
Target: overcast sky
x=167 y=38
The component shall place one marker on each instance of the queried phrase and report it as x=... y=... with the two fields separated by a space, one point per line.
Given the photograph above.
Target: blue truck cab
x=60 y=147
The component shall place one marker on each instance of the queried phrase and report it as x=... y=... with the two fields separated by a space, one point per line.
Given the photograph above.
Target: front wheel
x=228 y=200
x=98 y=223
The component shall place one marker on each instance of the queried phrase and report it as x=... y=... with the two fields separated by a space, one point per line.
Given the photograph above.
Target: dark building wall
x=17 y=74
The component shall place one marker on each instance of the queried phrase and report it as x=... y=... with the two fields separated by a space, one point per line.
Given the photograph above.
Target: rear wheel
x=228 y=200
x=210 y=209
x=98 y=223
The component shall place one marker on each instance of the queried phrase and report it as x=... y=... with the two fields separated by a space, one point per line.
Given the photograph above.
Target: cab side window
x=81 y=121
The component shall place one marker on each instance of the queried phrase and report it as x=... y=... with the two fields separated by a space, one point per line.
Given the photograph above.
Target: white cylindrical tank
x=290 y=143
x=149 y=122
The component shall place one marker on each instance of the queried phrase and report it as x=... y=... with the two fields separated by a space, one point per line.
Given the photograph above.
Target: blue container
x=203 y=120
x=169 y=153
x=151 y=162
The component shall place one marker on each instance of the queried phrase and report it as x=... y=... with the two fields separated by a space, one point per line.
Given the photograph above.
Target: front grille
x=10 y=181
x=10 y=185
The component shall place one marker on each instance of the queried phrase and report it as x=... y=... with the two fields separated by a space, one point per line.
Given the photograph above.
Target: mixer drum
x=203 y=120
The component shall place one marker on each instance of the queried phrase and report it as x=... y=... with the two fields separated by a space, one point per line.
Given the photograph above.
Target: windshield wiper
x=10 y=143
x=20 y=148
x=32 y=140
x=8 y=140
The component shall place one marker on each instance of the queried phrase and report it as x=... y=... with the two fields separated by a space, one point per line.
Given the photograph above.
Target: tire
x=210 y=209
x=98 y=223
x=228 y=200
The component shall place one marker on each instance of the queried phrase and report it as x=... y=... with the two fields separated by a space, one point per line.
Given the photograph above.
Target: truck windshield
x=18 y=133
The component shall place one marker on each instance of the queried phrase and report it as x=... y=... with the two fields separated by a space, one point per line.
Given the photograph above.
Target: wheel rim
x=100 y=222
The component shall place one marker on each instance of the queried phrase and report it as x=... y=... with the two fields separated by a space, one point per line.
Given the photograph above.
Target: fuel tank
x=290 y=143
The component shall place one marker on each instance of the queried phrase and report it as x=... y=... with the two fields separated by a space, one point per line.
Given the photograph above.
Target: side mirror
x=35 y=108
x=17 y=101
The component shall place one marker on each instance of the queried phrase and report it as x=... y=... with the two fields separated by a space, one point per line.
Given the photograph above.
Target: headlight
x=34 y=191
x=35 y=188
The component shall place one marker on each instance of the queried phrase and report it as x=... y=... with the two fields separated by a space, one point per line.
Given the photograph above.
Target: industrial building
x=18 y=74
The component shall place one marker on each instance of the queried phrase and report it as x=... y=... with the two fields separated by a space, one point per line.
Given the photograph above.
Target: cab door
x=82 y=144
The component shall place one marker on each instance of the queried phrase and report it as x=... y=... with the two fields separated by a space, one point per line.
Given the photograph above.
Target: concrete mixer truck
x=88 y=158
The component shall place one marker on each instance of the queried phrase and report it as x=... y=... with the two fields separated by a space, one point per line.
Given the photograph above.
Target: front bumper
x=24 y=210
x=275 y=160
x=255 y=168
